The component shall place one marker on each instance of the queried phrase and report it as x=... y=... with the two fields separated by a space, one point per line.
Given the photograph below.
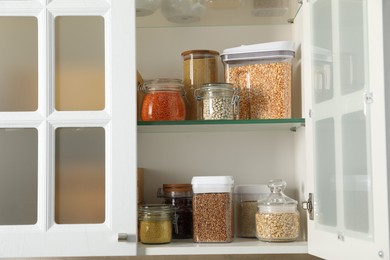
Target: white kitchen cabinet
x=334 y=147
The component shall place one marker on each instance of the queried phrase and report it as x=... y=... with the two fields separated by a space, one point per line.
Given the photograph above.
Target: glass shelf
x=220 y=125
x=221 y=12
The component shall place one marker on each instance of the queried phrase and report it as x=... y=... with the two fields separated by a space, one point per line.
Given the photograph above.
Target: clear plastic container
x=246 y=199
x=213 y=208
x=199 y=67
x=217 y=101
x=263 y=73
x=164 y=99
x=155 y=223
x=277 y=219
x=180 y=197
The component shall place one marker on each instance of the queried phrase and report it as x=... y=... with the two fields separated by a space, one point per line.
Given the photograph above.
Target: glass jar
x=155 y=223
x=164 y=99
x=199 y=67
x=277 y=219
x=217 y=101
x=180 y=197
x=213 y=208
x=245 y=202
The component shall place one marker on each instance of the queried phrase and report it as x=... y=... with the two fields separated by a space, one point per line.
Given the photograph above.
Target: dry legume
x=163 y=105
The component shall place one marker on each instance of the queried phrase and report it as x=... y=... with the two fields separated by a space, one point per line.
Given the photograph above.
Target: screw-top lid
x=175 y=191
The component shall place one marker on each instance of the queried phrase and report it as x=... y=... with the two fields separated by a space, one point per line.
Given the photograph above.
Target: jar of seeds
x=199 y=67
x=155 y=223
x=212 y=208
x=179 y=196
x=245 y=208
x=277 y=219
x=217 y=101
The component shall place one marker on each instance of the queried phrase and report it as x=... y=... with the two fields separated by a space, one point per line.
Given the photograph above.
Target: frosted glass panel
x=352 y=45
x=79 y=63
x=326 y=210
x=80 y=175
x=356 y=179
x=18 y=64
x=19 y=176
x=322 y=51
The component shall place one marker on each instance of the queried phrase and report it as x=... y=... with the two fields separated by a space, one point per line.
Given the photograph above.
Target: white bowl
x=183 y=11
x=146 y=7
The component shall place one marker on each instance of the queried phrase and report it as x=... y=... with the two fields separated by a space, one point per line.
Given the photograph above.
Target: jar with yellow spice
x=155 y=223
x=199 y=67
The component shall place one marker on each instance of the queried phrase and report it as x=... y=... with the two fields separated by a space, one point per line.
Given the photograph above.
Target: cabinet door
x=67 y=128
x=346 y=126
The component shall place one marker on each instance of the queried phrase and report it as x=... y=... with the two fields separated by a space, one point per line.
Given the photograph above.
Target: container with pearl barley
x=277 y=219
x=263 y=74
x=212 y=209
x=246 y=199
x=217 y=101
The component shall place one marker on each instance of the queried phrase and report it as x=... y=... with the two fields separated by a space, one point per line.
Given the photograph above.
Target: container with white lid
x=245 y=207
x=263 y=74
x=212 y=207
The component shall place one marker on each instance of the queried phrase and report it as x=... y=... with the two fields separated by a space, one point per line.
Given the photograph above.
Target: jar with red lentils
x=164 y=100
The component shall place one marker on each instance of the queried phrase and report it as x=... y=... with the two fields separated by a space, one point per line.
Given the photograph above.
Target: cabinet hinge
x=368 y=98
x=308 y=205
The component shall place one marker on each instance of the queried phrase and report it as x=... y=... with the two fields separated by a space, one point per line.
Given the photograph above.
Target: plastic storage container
x=263 y=74
x=217 y=101
x=247 y=198
x=180 y=197
x=213 y=208
x=199 y=67
x=277 y=219
x=155 y=223
x=164 y=99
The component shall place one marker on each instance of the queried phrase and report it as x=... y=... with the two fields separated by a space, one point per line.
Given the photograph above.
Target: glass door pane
x=79 y=63
x=18 y=64
x=80 y=175
x=19 y=176
x=341 y=118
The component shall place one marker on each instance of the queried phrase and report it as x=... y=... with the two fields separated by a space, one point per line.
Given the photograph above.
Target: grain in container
x=199 y=67
x=155 y=223
x=180 y=197
x=263 y=74
x=213 y=208
x=164 y=99
x=217 y=101
x=246 y=199
x=277 y=219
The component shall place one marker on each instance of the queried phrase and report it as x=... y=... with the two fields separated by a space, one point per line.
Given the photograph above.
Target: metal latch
x=308 y=205
x=122 y=237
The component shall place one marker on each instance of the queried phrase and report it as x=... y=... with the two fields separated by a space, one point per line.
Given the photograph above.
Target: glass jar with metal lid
x=217 y=101
x=180 y=197
x=164 y=99
x=155 y=223
x=277 y=219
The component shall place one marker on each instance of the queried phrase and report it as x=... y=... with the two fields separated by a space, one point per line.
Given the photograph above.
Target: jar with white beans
x=217 y=101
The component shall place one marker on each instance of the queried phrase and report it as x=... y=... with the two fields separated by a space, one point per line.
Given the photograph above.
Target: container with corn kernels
x=263 y=74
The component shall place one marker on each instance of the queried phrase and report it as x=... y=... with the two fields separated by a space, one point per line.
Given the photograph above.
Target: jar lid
x=163 y=84
x=277 y=197
x=175 y=191
x=269 y=50
x=212 y=184
x=201 y=53
x=251 y=189
x=156 y=211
